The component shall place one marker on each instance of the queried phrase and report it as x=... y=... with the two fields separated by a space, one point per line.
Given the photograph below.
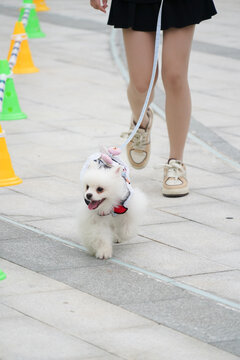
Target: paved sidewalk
x=172 y=292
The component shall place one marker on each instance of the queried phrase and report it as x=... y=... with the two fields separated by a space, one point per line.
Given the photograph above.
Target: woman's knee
x=173 y=79
x=141 y=83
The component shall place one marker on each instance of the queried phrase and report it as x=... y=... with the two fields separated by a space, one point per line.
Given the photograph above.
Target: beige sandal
x=175 y=182
x=139 y=148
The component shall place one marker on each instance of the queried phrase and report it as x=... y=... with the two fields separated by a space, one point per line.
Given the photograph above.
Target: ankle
x=144 y=123
x=175 y=158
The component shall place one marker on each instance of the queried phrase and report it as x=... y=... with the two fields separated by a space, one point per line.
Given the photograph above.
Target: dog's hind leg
x=124 y=228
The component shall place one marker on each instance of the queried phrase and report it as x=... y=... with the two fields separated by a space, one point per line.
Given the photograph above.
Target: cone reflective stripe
x=3 y=79
x=2 y=275
x=7 y=175
x=26 y=13
x=41 y=5
x=32 y=26
x=14 y=53
x=25 y=17
x=19 y=55
x=10 y=105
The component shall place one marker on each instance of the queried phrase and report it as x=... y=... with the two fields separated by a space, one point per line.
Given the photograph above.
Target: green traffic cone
x=32 y=28
x=10 y=106
x=2 y=275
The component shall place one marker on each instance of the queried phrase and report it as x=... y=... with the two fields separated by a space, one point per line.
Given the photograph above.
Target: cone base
x=9 y=117
x=36 y=35
x=26 y=71
x=11 y=181
x=2 y=275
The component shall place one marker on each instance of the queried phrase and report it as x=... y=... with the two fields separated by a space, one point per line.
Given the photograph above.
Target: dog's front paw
x=104 y=252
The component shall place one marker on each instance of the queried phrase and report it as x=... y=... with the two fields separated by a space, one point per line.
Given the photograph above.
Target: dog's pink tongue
x=93 y=205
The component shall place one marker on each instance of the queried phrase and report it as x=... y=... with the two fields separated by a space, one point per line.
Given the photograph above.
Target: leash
x=110 y=157
x=155 y=61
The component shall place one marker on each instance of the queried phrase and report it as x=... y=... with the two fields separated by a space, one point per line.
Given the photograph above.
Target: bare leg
x=175 y=60
x=139 y=46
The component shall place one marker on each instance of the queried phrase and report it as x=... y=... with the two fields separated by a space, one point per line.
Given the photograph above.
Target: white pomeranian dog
x=110 y=211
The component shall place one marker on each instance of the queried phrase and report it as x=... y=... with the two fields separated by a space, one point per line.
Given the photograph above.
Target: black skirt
x=142 y=15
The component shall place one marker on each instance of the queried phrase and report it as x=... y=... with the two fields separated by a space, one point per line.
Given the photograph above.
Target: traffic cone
x=7 y=175
x=10 y=106
x=2 y=275
x=33 y=27
x=41 y=5
x=24 y=63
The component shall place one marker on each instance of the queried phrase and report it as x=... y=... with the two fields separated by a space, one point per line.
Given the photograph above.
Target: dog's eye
x=87 y=187
x=100 y=189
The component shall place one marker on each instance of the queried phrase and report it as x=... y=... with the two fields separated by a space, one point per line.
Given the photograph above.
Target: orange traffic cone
x=41 y=5
x=7 y=175
x=19 y=55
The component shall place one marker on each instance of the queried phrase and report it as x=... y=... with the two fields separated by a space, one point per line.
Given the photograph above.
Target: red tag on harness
x=120 y=209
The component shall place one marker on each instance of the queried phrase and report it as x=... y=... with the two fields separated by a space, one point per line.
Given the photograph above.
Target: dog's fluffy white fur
x=103 y=189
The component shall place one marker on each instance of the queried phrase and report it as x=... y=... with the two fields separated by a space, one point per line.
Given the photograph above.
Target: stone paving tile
x=5 y=190
x=229 y=194
x=208 y=181
x=78 y=313
x=23 y=281
x=230 y=258
x=19 y=205
x=39 y=253
x=67 y=170
x=153 y=216
x=9 y=232
x=193 y=237
x=40 y=154
x=6 y=312
x=213 y=214
x=26 y=126
x=232 y=139
x=64 y=227
x=19 y=336
x=234 y=174
x=195 y=316
x=231 y=346
x=107 y=326
x=105 y=357
x=50 y=189
x=157 y=342
x=165 y=260
x=116 y=284
x=224 y=283
x=207 y=162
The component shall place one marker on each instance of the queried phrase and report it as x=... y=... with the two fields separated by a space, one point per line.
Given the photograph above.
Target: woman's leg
x=175 y=59
x=139 y=46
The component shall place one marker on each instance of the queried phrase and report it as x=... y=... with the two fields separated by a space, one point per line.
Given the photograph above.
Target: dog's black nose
x=89 y=196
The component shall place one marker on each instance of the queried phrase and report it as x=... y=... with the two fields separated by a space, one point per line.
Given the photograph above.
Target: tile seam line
x=163 y=278
x=160 y=112
x=70 y=334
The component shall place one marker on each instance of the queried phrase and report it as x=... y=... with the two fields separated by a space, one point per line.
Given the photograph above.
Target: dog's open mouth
x=92 y=205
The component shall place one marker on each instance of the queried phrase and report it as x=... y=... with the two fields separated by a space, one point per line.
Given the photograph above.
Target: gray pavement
x=172 y=292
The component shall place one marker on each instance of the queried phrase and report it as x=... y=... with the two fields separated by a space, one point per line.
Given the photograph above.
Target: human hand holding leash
x=99 y=5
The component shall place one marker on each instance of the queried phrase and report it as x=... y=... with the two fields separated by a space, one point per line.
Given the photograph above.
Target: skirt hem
x=136 y=28
x=175 y=14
